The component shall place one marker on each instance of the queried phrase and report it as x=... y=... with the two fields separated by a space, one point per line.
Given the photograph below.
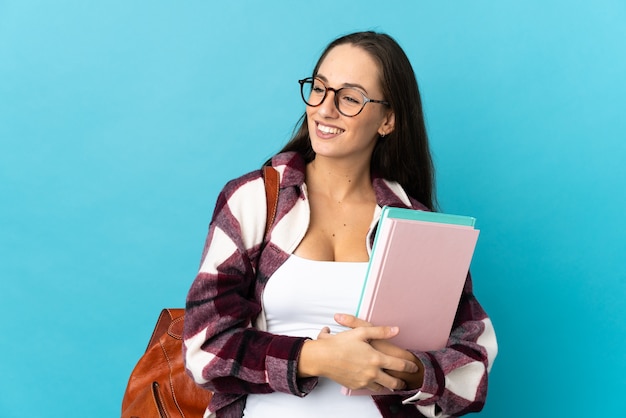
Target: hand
x=413 y=380
x=349 y=359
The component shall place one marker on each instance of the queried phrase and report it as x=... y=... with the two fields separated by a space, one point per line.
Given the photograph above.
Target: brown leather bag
x=159 y=386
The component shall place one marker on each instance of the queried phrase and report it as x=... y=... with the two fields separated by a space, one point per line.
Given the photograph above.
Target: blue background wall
x=121 y=120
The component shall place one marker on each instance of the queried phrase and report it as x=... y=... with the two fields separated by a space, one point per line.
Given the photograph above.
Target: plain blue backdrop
x=121 y=120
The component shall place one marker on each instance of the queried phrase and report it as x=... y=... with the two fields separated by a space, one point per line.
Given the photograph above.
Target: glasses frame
x=366 y=99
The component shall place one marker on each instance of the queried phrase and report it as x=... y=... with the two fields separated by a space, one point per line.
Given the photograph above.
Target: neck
x=339 y=180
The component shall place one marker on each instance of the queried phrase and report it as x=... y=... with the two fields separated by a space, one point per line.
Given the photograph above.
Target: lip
x=327 y=135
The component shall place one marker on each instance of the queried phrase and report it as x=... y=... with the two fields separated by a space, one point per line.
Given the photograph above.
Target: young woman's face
x=335 y=135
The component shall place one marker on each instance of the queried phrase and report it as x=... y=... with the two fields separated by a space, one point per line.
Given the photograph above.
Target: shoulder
x=241 y=206
x=242 y=182
x=244 y=197
x=239 y=214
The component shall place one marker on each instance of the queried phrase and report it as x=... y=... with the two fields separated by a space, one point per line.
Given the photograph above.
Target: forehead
x=349 y=64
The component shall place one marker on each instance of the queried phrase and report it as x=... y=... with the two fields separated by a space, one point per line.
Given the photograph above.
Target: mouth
x=329 y=130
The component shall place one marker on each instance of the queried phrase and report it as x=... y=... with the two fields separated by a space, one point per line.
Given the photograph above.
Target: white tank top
x=300 y=299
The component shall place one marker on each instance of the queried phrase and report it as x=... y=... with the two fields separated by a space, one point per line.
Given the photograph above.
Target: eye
x=351 y=97
x=317 y=87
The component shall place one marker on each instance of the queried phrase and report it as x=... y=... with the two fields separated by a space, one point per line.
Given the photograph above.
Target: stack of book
x=417 y=270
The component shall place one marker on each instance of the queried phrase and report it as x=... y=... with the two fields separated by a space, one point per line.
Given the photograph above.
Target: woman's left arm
x=451 y=381
x=456 y=377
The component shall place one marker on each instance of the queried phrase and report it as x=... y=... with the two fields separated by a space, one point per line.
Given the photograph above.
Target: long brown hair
x=404 y=155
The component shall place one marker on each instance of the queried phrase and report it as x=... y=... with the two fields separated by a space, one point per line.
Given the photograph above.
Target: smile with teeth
x=329 y=129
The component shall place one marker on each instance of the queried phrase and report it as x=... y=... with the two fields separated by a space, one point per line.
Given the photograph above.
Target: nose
x=328 y=107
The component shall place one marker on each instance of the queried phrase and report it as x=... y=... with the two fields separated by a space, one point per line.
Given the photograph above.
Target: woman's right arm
x=222 y=351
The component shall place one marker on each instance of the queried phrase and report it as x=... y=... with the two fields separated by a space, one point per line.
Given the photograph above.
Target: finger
x=399 y=365
x=377 y=333
x=351 y=321
x=390 y=382
x=374 y=387
x=387 y=347
x=324 y=333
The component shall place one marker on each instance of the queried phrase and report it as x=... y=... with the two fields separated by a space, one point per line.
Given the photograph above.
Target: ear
x=388 y=124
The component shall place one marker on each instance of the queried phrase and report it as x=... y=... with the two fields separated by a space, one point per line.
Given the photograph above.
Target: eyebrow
x=321 y=77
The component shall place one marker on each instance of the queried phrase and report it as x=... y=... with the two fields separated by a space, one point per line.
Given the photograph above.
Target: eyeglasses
x=348 y=100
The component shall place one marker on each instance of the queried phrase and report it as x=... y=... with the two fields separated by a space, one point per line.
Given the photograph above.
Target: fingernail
x=395 y=330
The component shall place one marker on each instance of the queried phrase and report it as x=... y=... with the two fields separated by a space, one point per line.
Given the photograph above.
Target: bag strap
x=166 y=318
x=272 y=186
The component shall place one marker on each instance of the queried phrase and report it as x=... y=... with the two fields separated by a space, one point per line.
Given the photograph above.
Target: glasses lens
x=313 y=91
x=350 y=101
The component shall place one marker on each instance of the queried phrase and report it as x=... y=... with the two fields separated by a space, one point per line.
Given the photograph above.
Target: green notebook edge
x=422 y=215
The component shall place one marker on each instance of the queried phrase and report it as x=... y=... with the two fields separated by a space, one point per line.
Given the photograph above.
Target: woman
x=266 y=327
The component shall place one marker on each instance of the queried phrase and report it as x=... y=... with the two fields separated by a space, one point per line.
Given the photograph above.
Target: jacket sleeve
x=455 y=378
x=222 y=351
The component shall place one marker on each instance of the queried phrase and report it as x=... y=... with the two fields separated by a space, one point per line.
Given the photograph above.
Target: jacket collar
x=292 y=169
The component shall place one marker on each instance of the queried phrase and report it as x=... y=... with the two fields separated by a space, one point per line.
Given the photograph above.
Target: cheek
x=309 y=114
x=370 y=126
x=310 y=124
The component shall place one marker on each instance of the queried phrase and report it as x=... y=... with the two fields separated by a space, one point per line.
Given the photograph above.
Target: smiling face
x=334 y=135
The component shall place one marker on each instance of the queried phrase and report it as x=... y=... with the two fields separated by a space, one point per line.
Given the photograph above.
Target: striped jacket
x=225 y=347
